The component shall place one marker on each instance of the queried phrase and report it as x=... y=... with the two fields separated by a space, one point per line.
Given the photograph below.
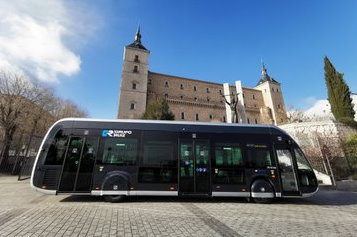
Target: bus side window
x=120 y=151
x=228 y=164
x=259 y=158
x=57 y=149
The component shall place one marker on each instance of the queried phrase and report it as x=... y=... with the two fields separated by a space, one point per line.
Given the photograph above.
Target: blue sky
x=218 y=41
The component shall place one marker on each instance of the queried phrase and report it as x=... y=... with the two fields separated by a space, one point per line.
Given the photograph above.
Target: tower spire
x=264 y=70
x=138 y=35
x=137 y=41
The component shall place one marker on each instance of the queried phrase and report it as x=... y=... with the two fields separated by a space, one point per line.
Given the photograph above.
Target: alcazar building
x=195 y=100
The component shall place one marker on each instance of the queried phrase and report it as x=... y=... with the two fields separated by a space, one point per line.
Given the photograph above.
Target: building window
x=181 y=86
x=220 y=92
x=248 y=120
x=136 y=59
x=166 y=84
x=208 y=99
x=272 y=89
x=182 y=115
x=207 y=89
x=256 y=121
x=278 y=106
x=166 y=95
x=253 y=97
x=134 y=86
x=136 y=69
x=196 y=99
x=210 y=116
x=255 y=105
x=194 y=88
x=132 y=106
x=224 y=118
x=197 y=117
x=181 y=97
x=277 y=90
x=243 y=95
x=149 y=82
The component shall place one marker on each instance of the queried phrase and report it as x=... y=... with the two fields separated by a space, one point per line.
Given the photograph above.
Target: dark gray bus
x=119 y=158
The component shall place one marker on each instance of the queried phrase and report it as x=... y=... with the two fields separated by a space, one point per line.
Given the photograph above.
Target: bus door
x=288 y=171
x=194 y=175
x=78 y=164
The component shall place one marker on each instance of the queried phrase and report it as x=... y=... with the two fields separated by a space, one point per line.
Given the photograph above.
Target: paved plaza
x=25 y=212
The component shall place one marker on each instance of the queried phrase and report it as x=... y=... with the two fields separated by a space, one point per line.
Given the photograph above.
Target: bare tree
x=295 y=115
x=66 y=108
x=16 y=93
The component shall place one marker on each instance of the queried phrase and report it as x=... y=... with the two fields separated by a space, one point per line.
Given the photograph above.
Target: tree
x=339 y=94
x=158 y=110
x=295 y=115
x=17 y=94
x=350 y=149
x=27 y=110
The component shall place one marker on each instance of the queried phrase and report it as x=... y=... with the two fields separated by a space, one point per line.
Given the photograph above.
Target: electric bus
x=121 y=158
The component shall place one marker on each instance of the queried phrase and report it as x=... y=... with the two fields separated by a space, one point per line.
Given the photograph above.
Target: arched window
x=197 y=117
x=132 y=105
x=136 y=68
x=166 y=84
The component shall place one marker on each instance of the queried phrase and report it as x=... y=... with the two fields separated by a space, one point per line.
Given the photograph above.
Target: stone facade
x=195 y=100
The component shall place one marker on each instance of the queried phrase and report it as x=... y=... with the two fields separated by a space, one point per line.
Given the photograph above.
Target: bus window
x=228 y=155
x=306 y=173
x=301 y=160
x=120 y=151
x=57 y=149
x=228 y=164
x=159 y=163
x=159 y=153
x=259 y=158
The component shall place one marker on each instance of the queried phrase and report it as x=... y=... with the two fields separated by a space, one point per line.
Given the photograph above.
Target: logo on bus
x=116 y=133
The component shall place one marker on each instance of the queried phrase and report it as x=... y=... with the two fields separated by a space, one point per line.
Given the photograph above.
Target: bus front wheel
x=262 y=191
x=114 y=198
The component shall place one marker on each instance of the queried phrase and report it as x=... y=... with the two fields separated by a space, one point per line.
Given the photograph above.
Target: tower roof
x=265 y=76
x=137 y=42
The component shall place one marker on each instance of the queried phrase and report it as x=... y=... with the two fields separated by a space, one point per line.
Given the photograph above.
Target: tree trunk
x=9 y=134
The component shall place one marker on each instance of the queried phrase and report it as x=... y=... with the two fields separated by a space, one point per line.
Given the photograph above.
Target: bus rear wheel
x=114 y=198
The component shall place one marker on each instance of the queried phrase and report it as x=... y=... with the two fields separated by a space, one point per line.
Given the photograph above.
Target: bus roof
x=185 y=126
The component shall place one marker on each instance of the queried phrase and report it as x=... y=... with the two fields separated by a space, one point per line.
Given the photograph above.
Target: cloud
x=39 y=37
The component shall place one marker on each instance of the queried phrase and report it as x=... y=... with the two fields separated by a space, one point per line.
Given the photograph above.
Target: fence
x=26 y=168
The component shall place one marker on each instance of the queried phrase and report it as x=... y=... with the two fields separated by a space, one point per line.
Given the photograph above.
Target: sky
x=76 y=47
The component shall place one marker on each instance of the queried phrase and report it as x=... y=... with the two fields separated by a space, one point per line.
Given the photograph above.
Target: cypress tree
x=339 y=94
x=158 y=110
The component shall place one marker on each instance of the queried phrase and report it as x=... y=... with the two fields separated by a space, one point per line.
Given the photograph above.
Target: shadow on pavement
x=322 y=197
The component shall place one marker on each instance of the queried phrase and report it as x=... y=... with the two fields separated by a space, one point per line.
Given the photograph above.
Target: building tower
x=134 y=80
x=273 y=98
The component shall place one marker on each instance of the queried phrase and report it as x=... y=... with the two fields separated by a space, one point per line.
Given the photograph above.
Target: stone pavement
x=25 y=212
